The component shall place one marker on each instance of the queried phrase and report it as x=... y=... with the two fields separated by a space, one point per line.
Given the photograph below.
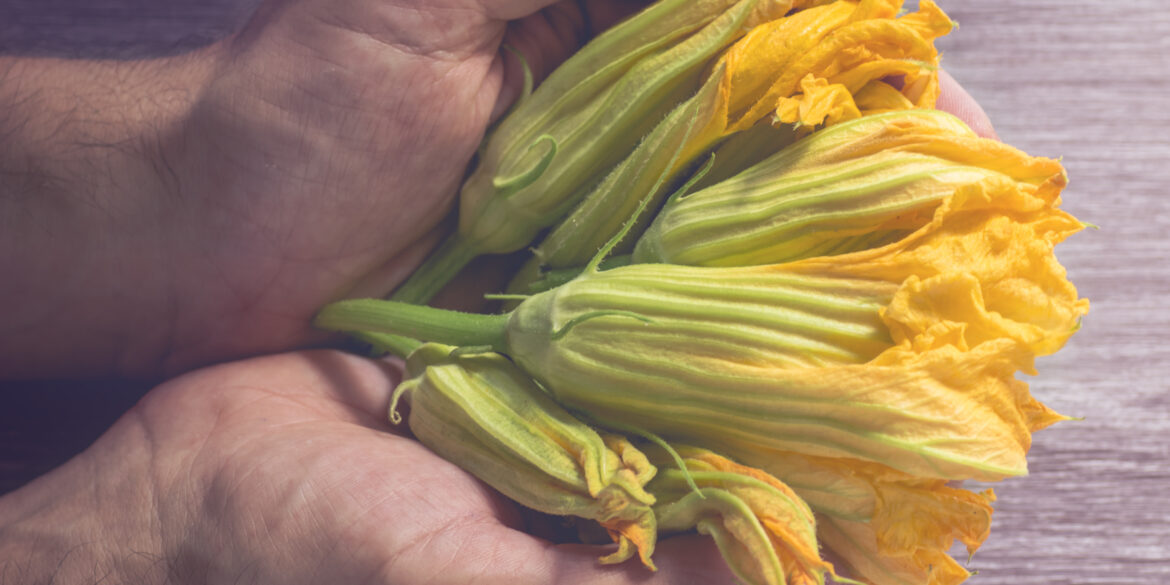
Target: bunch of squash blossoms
x=773 y=296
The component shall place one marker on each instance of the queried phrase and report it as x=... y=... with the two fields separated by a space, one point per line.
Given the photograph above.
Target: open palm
x=282 y=470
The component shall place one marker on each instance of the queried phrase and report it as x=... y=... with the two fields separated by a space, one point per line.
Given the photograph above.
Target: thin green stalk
x=439 y=268
x=414 y=321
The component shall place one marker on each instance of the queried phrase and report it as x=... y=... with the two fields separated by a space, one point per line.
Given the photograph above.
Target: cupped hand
x=282 y=470
x=324 y=145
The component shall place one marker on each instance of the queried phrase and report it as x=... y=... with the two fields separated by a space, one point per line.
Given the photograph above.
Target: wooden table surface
x=1083 y=79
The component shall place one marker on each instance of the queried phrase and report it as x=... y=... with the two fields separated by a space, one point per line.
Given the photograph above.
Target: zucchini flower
x=851 y=187
x=483 y=414
x=887 y=527
x=903 y=355
x=766 y=533
x=589 y=114
x=852 y=45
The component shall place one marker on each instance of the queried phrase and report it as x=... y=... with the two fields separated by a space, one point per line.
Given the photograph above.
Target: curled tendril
x=508 y=186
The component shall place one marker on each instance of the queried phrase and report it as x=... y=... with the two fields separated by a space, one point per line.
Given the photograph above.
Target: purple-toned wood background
x=1083 y=79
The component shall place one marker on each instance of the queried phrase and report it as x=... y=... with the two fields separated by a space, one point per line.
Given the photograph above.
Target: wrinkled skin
x=329 y=145
x=283 y=470
x=190 y=210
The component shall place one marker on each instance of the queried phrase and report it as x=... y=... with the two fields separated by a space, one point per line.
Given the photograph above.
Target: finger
x=955 y=100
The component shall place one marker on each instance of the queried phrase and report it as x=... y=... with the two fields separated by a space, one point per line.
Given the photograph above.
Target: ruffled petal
x=819 y=103
x=888 y=527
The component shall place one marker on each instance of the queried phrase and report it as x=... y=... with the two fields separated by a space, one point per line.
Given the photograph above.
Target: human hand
x=190 y=210
x=282 y=470
x=328 y=145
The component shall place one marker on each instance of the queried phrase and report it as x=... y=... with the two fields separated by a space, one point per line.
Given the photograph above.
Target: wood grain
x=1088 y=81
x=1082 y=79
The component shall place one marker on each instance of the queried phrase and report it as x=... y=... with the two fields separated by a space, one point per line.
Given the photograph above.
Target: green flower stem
x=414 y=321
x=440 y=267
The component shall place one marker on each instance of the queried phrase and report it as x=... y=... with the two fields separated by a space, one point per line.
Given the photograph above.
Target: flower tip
x=988 y=495
x=626 y=549
x=395 y=415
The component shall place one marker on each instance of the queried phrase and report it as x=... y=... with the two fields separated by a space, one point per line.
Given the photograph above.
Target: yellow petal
x=930 y=22
x=637 y=531
x=855 y=543
x=913 y=515
x=888 y=527
x=751 y=86
x=983 y=269
x=878 y=97
x=857 y=43
x=819 y=103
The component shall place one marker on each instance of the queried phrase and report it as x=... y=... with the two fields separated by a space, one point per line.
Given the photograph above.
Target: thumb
x=954 y=99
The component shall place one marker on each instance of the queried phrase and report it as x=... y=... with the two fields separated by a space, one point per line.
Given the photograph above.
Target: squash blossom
x=851 y=187
x=848 y=47
x=766 y=533
x=483 y=414
x=889 y=528
x=903 y=355
x=581 y=121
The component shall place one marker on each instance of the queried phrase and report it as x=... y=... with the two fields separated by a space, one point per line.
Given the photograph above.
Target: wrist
x=82 y=166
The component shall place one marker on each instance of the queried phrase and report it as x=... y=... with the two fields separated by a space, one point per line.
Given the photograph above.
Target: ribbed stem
x=438 y=269
x=414 y=321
